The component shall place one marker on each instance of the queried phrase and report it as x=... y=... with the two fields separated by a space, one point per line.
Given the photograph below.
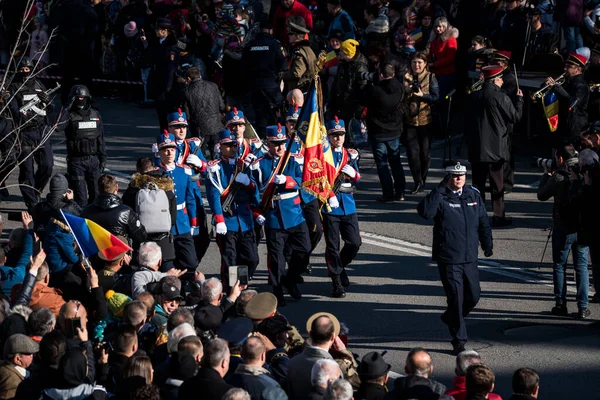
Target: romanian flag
x=92 y=238
x=550 y=103
x=332 y=58
x=319 y=170
x=416 y=35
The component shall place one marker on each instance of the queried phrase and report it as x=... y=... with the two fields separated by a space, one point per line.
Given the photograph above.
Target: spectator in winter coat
x=18 y=356
x=459 y=385
x=42 y=296
x=341 y=20
x=569 y=13
x=59 y=247
x=442 y=54
x=149 y=259
x=286 y=9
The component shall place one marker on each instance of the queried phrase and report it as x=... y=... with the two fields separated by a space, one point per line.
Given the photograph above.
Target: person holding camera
x=422 y=91
x=565 y=225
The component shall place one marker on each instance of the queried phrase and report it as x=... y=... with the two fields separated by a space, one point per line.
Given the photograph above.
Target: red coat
x=459 y=389
x=442 y=50
x=45 y=296
x=281 y=16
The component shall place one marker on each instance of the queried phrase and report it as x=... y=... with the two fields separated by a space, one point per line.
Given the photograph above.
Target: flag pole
x=85 y=262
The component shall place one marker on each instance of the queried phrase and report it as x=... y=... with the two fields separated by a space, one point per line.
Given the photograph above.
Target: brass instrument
x=543 y=91
x=476 y=86
x=594 y=87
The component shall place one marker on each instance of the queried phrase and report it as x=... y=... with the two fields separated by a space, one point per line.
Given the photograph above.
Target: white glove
x=221 y=228
x=194 y=160
x=243 y=179
x=333 y=202
x=348 y=170
x=250 y=158
x=280 y=179
x=195 y=231
x=260 y=220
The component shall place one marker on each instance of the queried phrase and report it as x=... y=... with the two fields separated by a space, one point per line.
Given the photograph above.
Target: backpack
x=152 y=206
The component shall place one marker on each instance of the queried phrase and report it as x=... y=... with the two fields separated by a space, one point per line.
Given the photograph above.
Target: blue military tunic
x=183 y=149
x=343 y=157
x=245 y=147
x=220 y=174
x=185 y=196
x=286 y=212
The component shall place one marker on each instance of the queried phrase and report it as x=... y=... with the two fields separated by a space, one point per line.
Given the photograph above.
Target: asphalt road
x=395 y=299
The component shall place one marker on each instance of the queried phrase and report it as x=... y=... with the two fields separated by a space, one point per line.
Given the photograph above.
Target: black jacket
x=460 y=224
x=207 y=383
x=564 y=214
x=163 y=66
x=203 y=106
x=344 y=98
x=50 y=208
x=119 y=219
x=263 y=62
x=370 y=391
x=494 y=112
x=318 y=393
x=384 y=108
x=257 y=382
x=416 y=387
x=572 y=106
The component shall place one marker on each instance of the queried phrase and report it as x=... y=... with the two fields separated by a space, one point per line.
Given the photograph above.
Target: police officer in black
x=32 y=127
x=263 y=63
x=86 y=153
x=460 y=224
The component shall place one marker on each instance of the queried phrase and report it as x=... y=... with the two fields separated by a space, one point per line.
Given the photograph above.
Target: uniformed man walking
x=342 y=219
x=460 y=225
x=285 y=226
x=263 y=63
x=186 y=224
x=234 y=226
x=33 y=126
x=302 y=66
x=235 y=122
x=86 y=152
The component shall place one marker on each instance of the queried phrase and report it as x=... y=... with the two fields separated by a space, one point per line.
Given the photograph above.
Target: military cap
x=276 y=133
x=166 y=140
x=261 y=306
x=336 y=323
x=177 y=118
x=336 y=127
x=456 y=169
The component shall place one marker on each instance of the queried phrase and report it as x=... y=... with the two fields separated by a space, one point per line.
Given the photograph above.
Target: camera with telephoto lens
x=540 y=162
x=415 y=86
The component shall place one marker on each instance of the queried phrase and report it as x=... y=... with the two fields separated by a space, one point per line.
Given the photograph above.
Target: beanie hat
x=116 y=302
x=59 y=185
x=130 y=29
x=348 y=47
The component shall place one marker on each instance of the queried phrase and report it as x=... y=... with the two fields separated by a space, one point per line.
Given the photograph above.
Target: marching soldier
x=32 y=126
x=460 y=224
x=342 y=219
x=285 y=226
x=573 y=97
x=235 y=226
x=186 y=225
x=236 y=124
x=86 y=152
x=304 y=60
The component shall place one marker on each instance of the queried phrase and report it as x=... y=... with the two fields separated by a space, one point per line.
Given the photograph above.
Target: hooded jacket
x=50 y=208
x=58 y=245
x=442 y=51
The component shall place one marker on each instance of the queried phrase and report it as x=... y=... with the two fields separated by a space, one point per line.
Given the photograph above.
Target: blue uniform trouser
x=237 y=248
x=295 y=238
x=562 y=244
x=347 y=227
x=35 y=181
x=461 y=284
x=83 y=174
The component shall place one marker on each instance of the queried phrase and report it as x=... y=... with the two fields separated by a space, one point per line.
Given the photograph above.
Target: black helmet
x=80 y=91
x=26 y=62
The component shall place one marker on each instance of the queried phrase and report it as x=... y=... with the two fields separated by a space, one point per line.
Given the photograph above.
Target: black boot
x=278 y=292
x=417 y=189
x=289 y=282
x=338 y=289
x=344 y=278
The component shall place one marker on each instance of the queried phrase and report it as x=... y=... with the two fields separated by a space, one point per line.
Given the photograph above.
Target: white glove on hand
x=279 y=179
x=348 y=170
x=333 y=202
x=243 y=179
x=260 y=220
x=250 y=158
x=221 y=228
x=195 y=231
x=194 y=160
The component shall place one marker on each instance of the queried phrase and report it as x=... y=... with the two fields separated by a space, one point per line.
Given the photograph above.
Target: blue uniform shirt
x=245 y=147
x=346 y=200
x=185 y=196
x=220 y=174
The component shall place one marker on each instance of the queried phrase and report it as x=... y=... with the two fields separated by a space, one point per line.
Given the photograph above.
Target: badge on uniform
x=87 y=125
x=472 y=204
x=94 y=119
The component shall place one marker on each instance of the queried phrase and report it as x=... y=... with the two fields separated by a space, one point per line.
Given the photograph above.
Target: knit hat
x=348 y=47
x=130 y=29
x=59 y=185
x=116 y=302
x=20 y=344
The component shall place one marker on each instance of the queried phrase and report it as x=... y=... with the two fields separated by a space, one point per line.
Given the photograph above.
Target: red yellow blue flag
x=319 y=170
x=332 y=58
x=550 y=103
x=92 y=238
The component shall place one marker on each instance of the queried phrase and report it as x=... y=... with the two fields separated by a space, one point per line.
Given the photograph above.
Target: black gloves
x=43 y=97
x=445 y=181
x=488 y=252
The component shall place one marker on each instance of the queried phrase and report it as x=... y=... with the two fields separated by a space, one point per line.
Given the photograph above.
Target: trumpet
x=542 y=92
x=594 y=87
x=476 y=86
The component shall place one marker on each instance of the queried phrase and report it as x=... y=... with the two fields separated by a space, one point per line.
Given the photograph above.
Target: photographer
x=565 y=224
x=422 y=91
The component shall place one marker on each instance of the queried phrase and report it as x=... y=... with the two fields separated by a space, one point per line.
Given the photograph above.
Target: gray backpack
x=152 y=206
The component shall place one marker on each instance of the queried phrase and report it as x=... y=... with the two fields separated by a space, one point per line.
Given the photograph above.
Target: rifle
x=235 y=188
x=32 y=105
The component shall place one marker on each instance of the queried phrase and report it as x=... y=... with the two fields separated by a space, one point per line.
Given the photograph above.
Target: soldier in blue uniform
x=460 y=224
x=189 y=153
x=285 y=226
x=341 y=220
x=186 y=224
x=235 y=228
x=236 y=124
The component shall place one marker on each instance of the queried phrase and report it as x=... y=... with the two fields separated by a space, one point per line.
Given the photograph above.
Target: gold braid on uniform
x=61 y=224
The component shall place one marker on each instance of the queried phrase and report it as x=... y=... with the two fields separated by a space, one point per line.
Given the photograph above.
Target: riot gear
x=80 y=95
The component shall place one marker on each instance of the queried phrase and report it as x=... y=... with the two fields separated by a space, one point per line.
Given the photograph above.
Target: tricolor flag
x=319 y=170
x=92 y=238
x=416 y=35
x=550 y=103
x=332 y=58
